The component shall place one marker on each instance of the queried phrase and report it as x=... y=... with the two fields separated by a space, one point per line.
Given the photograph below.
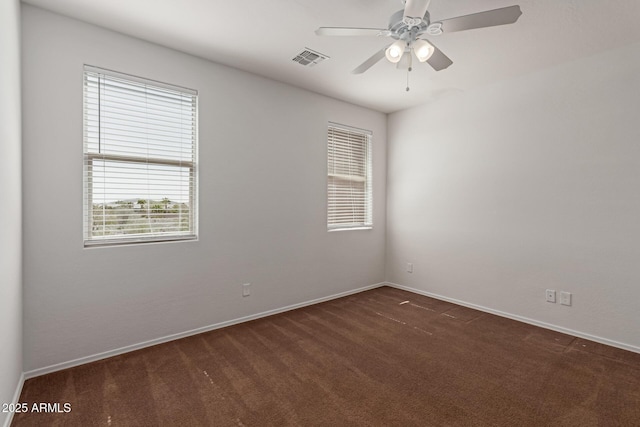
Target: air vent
x=309 y=57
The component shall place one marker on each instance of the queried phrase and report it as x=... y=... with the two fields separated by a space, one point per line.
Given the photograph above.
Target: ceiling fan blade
x=438 y=60
x=405 y=61
x=490 y=18
x=370 y=62
x=347 y=31
x=416 y=8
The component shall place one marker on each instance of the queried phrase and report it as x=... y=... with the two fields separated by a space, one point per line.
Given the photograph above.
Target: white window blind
x=139 y=159
x=349 y=178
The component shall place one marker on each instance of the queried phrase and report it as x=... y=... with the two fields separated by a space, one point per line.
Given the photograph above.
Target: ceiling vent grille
x=309 y=57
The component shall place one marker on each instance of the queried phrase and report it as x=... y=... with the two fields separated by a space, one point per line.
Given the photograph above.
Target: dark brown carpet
x=369 y=359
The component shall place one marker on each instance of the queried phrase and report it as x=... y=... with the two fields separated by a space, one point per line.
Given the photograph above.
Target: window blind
x=349 y=178
x=139 y=159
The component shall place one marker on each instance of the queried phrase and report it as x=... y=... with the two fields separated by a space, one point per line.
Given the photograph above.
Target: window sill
x=98 y=243
x=368 y=227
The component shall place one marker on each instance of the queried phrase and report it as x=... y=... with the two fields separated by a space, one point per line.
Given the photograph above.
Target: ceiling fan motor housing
x=401 y=30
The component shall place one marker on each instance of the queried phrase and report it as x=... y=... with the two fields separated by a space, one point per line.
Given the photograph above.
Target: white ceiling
x=262 y=36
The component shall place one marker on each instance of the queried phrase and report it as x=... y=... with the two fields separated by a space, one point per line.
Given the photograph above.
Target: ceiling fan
x=410 y=27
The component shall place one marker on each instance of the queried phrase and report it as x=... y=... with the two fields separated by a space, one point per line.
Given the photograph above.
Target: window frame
x=367 y=224
x=88 y=165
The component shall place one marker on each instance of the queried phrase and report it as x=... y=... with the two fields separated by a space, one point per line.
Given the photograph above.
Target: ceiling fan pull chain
x=408 y=71
x=410 y=68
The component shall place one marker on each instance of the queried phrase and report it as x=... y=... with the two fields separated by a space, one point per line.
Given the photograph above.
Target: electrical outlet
x=409 y=267
x=565 y=298
x=246 y=289
x=550 y=295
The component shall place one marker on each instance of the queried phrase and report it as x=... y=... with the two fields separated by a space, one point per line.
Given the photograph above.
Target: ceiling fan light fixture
x=395 y=51
x=422 y=49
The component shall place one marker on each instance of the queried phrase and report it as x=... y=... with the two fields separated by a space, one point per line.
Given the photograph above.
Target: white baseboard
x=534 y=322
x=16 y=398
x=129 y=348
x=88 y=359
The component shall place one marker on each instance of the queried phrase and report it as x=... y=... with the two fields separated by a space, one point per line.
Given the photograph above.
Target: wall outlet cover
x=550 y=295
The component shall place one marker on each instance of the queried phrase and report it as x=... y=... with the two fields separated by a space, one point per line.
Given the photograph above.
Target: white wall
x=498 y=193
x=262 y=202
x=10 y=197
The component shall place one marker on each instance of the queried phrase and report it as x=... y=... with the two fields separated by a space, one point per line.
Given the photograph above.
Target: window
x=349 y=178
x=139 y=160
